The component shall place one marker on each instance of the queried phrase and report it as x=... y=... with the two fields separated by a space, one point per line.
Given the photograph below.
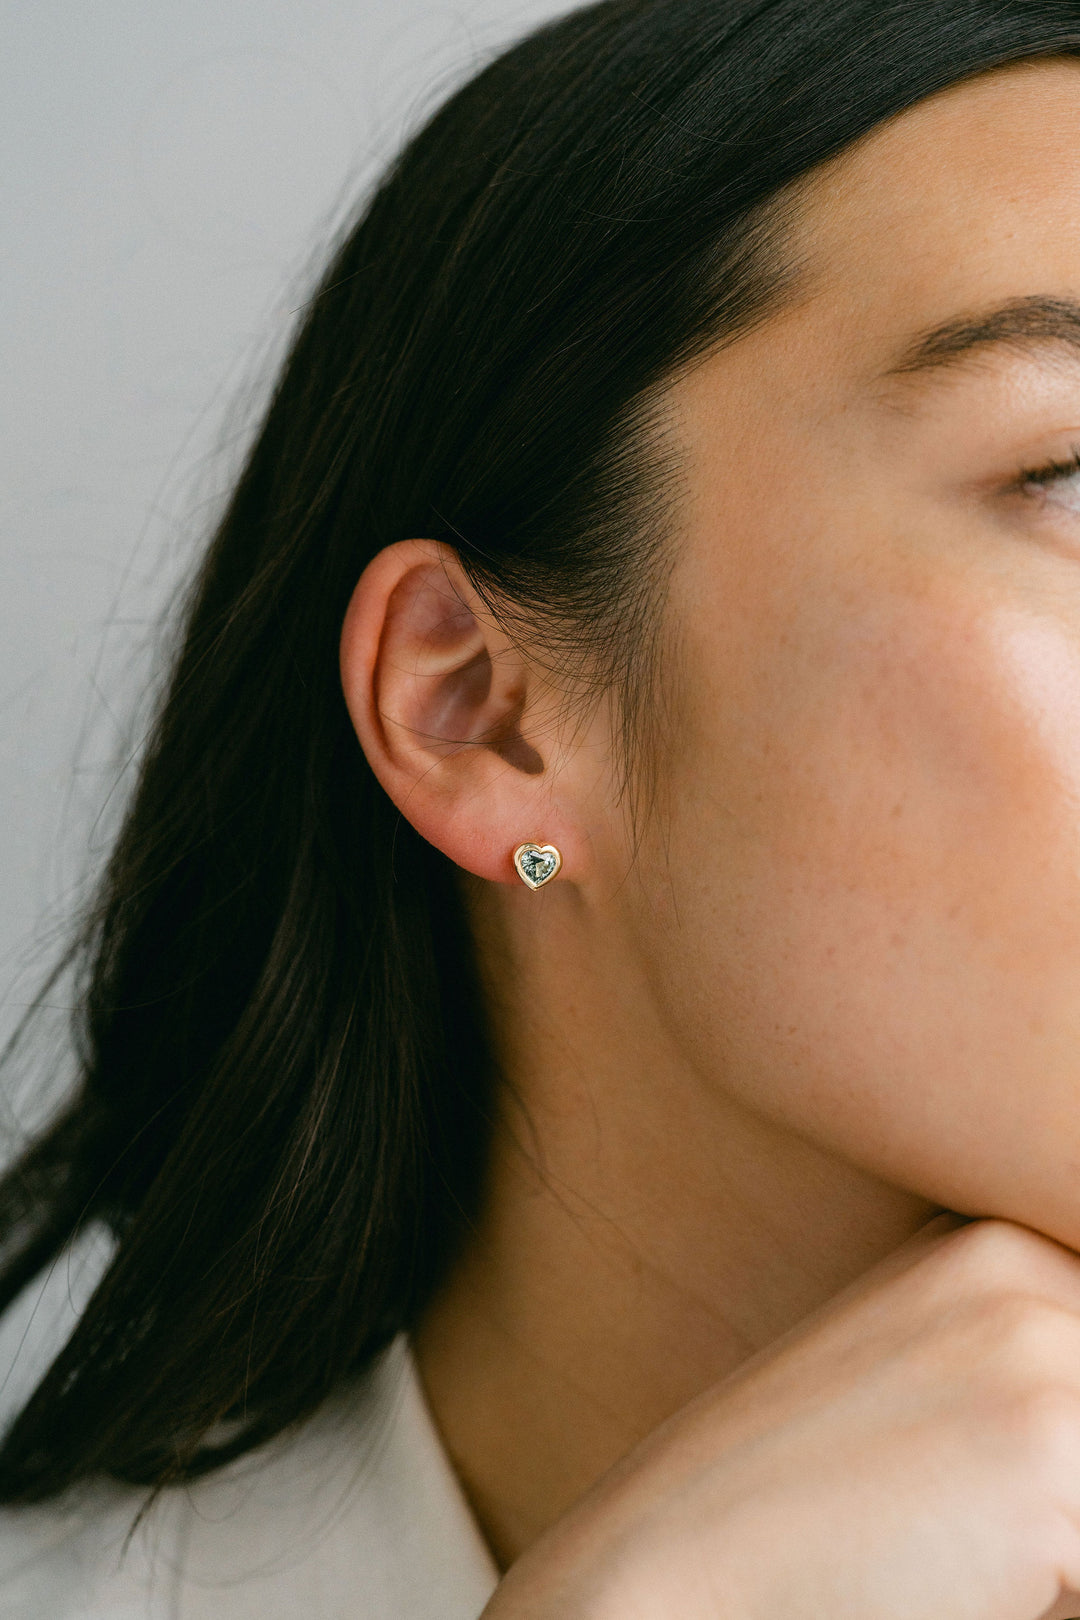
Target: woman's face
x=861 y=905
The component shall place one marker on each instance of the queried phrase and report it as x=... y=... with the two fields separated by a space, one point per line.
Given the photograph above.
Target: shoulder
x=354 y=1516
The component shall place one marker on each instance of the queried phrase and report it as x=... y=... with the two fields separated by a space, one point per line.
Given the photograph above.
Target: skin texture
x=837 y=987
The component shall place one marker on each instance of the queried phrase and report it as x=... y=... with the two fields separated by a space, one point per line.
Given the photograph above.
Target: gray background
x=170 y=174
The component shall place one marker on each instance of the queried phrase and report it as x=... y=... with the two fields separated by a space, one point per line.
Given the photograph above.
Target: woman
x=581 y=1027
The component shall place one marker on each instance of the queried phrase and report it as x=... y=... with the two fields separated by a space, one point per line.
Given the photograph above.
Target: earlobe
x=441 y=702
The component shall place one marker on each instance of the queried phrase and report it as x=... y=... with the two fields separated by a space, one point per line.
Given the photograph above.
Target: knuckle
x=1005 y=1343
x=992 y=1250
x=1043 y=1424
x=1023 y=1356
x=1027 y=1334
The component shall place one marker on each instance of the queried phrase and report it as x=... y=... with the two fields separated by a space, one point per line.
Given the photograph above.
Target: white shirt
x=357 y=1516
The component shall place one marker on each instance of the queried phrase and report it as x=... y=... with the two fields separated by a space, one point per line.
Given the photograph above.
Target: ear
x=456 y=725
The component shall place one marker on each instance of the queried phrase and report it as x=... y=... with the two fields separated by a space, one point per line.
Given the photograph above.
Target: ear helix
x=537 y=864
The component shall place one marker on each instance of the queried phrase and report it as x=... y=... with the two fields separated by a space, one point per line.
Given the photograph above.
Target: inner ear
x=472 y=707
x=515 y=749
x=460 y=694
x=464 y=683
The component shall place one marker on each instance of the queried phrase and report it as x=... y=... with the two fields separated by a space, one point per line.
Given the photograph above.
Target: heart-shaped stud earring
x=537 y=864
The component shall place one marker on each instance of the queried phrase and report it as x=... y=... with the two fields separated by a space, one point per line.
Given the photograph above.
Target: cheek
x=1039 y=664
x=872 y=906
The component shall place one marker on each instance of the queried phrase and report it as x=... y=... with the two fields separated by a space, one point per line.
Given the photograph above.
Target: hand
x=909 y=1452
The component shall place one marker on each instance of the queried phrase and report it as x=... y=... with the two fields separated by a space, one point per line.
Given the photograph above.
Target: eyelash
x=1052 y=471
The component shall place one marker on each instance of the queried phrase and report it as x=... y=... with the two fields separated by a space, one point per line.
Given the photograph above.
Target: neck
x=642 y=1235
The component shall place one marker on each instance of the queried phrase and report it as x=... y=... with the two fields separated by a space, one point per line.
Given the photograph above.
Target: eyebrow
x=1021 y=323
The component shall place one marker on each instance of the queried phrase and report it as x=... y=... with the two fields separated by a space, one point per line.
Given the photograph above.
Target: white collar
x=357 y=1516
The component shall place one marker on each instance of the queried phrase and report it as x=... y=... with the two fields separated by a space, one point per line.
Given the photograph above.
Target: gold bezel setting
x=537 y=864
